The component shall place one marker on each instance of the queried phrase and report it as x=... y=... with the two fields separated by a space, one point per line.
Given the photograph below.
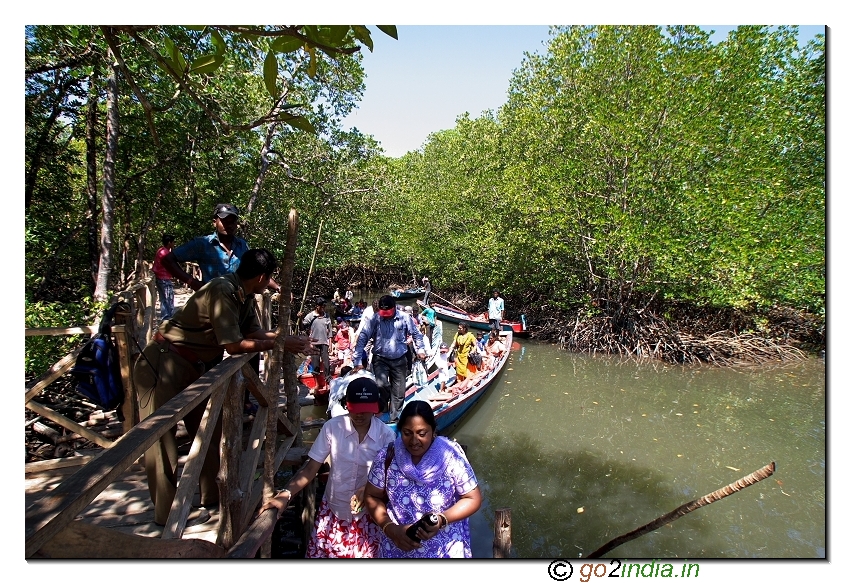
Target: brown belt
x=187 y=354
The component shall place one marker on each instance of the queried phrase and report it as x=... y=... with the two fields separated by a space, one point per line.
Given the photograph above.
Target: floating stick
x=756 y=476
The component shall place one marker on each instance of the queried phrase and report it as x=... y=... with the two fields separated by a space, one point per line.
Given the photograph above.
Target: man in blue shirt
x=389 y=329
x=216 y=254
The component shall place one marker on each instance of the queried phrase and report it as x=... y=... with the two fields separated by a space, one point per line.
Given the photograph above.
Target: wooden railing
x=224 y=386
x=241 y=494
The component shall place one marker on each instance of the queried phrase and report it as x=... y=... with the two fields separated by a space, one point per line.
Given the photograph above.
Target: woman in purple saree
x=422 y=473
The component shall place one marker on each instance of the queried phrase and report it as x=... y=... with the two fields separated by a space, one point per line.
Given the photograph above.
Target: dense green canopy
x=628 y=164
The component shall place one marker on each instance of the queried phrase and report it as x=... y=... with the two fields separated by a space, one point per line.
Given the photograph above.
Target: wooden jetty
x=96 y=504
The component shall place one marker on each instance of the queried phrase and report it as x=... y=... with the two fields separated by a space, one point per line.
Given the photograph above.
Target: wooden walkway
x=125 y=507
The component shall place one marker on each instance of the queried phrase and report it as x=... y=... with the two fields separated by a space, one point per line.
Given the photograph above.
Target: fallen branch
x=756 y=476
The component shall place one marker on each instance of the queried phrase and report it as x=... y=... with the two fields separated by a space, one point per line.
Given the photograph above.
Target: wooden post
x=308 y=510
x=287 y=363
x=230 y=496
x=129 y=408
x=502 y=534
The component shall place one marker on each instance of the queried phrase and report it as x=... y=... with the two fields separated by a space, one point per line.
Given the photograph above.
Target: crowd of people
x=381 y=486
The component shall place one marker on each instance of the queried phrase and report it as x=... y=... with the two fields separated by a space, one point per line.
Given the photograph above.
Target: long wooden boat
x=408 y=294
x=476 y=321
x=448 y=412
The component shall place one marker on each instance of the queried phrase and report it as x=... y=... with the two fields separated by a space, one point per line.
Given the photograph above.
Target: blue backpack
x=96 y=373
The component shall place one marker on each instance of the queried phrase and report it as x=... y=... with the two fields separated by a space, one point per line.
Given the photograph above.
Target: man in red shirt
x=164 y=281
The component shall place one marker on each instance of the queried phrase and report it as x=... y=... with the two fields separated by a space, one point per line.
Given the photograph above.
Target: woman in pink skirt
x=342 y=528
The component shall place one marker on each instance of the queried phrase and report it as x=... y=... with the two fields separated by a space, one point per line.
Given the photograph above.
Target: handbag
x=474 y=357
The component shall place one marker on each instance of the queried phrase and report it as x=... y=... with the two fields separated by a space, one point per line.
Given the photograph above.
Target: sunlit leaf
x=286 y=44
x=206 y=64
x=301 y=123
x=218 y=43
x=311 y=68
x=270 y=73
x=363 y=35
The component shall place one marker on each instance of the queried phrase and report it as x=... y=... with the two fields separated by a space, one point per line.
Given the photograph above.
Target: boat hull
x=408 y=294
x=451 y=412
x=476 y=322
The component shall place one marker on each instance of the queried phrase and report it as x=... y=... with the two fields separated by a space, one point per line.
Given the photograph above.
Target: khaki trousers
x=157 y=381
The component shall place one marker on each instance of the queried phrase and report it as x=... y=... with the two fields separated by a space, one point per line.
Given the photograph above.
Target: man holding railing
x=219 y=316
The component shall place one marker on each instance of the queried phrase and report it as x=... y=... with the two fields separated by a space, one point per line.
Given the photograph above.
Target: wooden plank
x=68 y=424
x=182 y=503
x=251 y=540
x=129 y=407
x=57 y=370
x=58 y=463
x=251 y=456
x=255 y=385
x=61 y=331
x=284 y=424
x=257 y=494
x=49 y=515
x=82 y=540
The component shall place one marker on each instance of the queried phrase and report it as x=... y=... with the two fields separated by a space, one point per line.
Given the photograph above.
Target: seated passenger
x=306 y=367
x=493 y=349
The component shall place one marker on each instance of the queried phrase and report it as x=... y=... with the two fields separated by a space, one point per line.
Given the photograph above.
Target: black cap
x=224 y=209
x=362 y=396
x=386 y=302
x=320 y=301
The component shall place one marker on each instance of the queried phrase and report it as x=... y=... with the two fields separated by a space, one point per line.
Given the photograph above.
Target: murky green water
x=583 y=449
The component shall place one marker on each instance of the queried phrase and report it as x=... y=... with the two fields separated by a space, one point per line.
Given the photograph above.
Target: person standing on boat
x=319 y=326
x=429 y=316
x=389 y=330
x=495 y=311
x=426 y=285
x=220 y=316
x=351 y=442
x=464 y=342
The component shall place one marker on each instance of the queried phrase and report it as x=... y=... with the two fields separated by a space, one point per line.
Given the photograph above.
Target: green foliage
x=633 y=162
x=41 y=352
x=629 y=162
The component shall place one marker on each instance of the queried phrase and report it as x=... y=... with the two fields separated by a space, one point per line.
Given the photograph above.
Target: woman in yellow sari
x=464 y=341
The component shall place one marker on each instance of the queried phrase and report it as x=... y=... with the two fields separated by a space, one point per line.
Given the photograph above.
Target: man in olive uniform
x=219 y=316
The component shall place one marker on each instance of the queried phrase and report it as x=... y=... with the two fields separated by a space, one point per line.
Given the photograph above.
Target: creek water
x=584 y=448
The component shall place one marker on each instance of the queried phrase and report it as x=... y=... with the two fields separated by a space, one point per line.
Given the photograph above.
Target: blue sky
x=423 y=81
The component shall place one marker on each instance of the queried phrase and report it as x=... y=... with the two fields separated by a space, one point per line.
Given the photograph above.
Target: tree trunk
x=108 y=199
x=91 y=175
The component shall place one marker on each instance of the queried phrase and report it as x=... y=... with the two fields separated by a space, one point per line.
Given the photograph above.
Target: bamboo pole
x=281 y=365
x=749 y=480
x=312 y=262
x=448 y=302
